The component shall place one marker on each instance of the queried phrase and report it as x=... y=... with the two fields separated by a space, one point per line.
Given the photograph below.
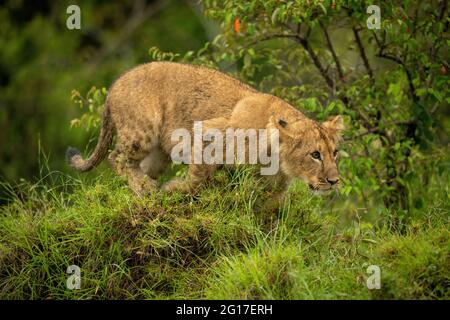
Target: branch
x=305 y=44
x=329 y=81
x=399 y=61
x=333 y=52
x=442 y=9
x=379 y=130
x=141 y=13
x=274 y=36
x=362 y=52
x=319 y=66
x=312 y=54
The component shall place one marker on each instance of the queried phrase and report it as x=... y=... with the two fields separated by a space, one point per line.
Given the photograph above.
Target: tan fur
x=147 y=103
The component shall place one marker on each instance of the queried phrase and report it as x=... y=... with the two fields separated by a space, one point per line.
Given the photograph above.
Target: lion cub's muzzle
x=327 y=184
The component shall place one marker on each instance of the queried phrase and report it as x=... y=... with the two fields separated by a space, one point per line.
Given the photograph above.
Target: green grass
x=214 y=245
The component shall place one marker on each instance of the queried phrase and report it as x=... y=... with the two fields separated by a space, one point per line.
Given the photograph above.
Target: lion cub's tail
x=73 y=156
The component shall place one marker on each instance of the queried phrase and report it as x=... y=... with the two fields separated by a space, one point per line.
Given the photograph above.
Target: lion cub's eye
x=315 y=155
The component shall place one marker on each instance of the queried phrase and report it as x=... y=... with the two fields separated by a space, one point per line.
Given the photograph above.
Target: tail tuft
x=70 y=153
x=73 y=156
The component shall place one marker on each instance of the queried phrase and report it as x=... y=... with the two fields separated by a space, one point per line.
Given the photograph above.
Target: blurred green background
x=42 y=61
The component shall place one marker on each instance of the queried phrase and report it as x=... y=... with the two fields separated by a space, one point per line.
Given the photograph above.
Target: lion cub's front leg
x=197 y=175
x=276 y=192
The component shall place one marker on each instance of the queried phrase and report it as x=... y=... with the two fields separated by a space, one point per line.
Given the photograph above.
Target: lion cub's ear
x=282 y=126
x=335 y=126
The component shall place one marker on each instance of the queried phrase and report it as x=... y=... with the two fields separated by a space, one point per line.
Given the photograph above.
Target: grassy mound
x=214 y=245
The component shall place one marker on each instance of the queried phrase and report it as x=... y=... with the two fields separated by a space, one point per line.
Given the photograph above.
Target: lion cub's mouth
x=316 y=189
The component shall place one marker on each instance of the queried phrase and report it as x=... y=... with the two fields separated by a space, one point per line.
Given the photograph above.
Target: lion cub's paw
x=143 y=187
x=176 y=185
x=271 y=203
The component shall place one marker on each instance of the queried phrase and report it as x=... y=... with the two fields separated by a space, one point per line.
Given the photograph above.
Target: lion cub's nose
x=333 y=180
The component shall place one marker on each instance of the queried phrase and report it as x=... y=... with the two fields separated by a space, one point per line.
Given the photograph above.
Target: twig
x=273 y=36
x=305 y=44
x=315 y=59
x=381 y=54
x=333 y=52
x=312 y=54
x=442 y=9
x=362 y=53
x=141 y=13
x=399 y=61
x=378 y=129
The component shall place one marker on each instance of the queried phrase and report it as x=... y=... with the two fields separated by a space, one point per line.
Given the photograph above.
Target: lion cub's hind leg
x=126 y=159
x=155 y=163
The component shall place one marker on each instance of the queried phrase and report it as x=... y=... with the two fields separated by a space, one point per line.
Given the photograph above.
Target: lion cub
x=148 y=103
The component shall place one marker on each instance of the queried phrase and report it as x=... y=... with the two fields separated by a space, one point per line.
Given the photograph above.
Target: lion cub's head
x=308 y=151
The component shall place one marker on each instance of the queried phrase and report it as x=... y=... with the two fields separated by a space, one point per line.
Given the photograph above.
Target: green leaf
x=273 y=18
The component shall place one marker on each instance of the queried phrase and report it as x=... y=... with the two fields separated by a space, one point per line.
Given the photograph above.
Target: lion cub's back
x=178 y=80
x=186 y=92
